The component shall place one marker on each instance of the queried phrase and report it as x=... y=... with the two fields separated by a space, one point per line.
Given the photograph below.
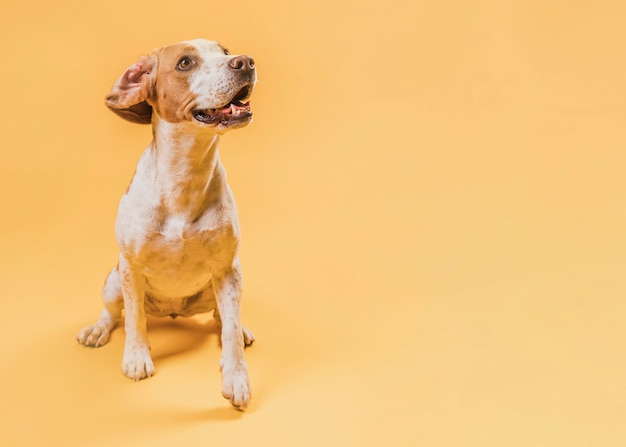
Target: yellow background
x=432 y=201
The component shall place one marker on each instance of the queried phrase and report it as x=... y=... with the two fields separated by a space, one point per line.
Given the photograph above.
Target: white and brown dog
x=177 y=226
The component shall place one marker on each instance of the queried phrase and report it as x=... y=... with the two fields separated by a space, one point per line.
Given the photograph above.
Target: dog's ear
x=129 y=95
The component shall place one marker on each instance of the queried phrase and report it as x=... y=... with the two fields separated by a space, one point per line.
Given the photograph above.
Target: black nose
x=241 y=63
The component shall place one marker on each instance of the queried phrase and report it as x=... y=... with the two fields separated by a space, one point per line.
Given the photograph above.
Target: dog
x=177 y=225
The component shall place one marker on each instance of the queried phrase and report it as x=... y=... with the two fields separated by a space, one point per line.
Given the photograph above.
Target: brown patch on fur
x=155 y=83
x=172 y=98
x=128 y=96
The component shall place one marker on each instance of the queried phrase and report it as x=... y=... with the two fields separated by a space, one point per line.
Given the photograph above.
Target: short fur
x=177 y=225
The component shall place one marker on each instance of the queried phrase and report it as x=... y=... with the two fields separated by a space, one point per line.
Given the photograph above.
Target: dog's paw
x=94 y=336
x=248 y=337
x=236 y=386
x=137 y=363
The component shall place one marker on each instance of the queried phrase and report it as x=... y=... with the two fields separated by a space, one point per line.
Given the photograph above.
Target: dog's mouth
x=235 y=111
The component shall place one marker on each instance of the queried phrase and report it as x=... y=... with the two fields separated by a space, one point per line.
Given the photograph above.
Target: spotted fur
x=177 y=225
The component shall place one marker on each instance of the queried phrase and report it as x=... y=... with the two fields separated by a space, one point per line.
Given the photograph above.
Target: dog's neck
x=187 y=166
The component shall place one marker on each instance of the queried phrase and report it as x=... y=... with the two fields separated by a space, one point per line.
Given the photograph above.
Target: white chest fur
x=178 y=229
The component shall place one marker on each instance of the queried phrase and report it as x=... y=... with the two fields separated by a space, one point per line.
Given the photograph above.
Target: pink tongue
x=227 y=110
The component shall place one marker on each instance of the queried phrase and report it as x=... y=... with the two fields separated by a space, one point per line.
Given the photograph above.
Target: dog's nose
x=241 y=63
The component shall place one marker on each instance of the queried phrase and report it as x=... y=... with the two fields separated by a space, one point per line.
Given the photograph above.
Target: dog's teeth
x=233 y=109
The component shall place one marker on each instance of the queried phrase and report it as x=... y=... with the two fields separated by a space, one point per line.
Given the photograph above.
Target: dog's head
x=196 y=81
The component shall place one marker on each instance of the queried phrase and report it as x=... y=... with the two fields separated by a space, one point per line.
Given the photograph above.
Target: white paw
x=236 y=386
x=95 y=335
x=137 y=363
x=248 y=337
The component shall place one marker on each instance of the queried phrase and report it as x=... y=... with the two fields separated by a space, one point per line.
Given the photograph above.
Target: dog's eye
x=226 y=52
x=185 y=64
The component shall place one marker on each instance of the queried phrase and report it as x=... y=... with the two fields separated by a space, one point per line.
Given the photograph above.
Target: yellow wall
x=432 y=200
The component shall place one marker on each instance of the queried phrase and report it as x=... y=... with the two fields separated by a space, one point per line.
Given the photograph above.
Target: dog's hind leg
x=98 y=334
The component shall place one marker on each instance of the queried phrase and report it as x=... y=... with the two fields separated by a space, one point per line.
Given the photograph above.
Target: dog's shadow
x=171 y=337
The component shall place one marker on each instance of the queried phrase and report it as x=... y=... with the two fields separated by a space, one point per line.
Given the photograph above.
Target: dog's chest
x=178 y=255
x=177 y=244
x=177 y=228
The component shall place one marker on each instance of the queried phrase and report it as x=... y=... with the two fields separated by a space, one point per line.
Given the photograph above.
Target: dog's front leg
x=235 y=383
x=137 y=363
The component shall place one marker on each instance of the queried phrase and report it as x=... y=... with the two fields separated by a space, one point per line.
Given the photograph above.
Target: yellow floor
x=433 y=204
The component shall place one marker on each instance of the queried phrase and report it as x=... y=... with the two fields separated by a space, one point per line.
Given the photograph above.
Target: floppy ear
x=128 y=97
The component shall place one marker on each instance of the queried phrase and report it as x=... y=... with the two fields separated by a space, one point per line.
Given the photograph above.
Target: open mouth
x=237 y=110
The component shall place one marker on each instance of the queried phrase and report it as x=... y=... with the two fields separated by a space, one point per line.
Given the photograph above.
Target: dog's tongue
x=233 y=108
